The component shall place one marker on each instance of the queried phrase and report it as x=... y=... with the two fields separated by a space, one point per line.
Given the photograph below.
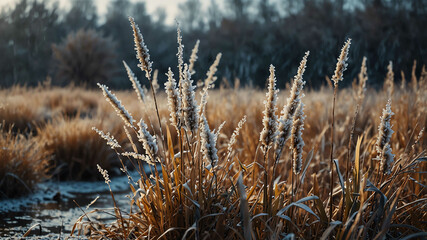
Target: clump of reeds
x=72 y=142
x=200 y=187
x=23 y=163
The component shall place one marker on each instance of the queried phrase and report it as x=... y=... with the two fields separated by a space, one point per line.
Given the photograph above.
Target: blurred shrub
x=85 y=57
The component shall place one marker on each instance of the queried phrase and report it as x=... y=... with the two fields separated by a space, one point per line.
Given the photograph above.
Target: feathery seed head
x=389 y=81
x=233 y=137
x=104 y=174
x=193 y=57
x=286 y=119
x=117 y=105
x=363 y=77
x=111 y=141
x=342 y=63
x=135 y=83
x=268 y=133
x=212 y=70
x=174 y=100
x=138 y=156
x=297 y=143
x=148 y=141
x=189 y=103
x=180 y=53
x=208 y=142
x=385 y=133
x=141 y=49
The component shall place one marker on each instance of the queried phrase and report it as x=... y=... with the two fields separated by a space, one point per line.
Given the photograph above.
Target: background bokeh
x=35 y=38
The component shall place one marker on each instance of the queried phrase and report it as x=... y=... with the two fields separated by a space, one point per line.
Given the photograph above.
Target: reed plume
x=111 y=141
x=208 y=142
x=233 y=137
x=148 y=141
x=212 y=70
x=135 y=83
x=138 y=156
x=117 y=105
x=174 y=100
x=363 y=78
x=389 y=80
x=382 y=144
x=288 y=112
x=209 y=83
x=104 y=174
x=180 y=55
x=141 y=49
x=189 y=103
x=342 y=63
x=269 y=120
x=193 y=57
x=297 y=143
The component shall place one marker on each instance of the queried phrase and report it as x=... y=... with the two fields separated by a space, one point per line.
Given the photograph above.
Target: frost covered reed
x=208 y=142
x=269 y=120
x=104 y=174
x=141 y=49
x=342 y=63
x=288 y=112
x=189 y=103
x=138 y=156
x=174 y=100
x=117 y=105
x=193 y=57
x=212 y=70
x=111 y=141
x=209 y=83
x=338 y=76
x=233 y=137
x=135 y=83
x=297 y=143
x=180 y=55
x=382 y=144
x=148 y=141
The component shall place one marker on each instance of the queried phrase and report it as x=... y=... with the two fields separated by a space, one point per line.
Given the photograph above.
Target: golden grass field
x=204 y=187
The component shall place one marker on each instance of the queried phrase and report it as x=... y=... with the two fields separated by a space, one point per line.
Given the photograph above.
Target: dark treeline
x=250 y=34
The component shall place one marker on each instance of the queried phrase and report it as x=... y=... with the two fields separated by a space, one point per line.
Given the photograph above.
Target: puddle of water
x=56 y=218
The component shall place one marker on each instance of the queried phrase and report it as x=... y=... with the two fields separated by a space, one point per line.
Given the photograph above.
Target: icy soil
x=52 y=208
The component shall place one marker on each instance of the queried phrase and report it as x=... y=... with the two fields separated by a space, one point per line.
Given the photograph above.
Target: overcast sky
x=171 y=6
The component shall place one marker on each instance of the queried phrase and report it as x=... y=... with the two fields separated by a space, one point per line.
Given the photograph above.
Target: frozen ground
x=53 y=209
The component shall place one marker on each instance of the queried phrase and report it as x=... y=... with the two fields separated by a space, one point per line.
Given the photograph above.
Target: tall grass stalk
x=338 y=76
